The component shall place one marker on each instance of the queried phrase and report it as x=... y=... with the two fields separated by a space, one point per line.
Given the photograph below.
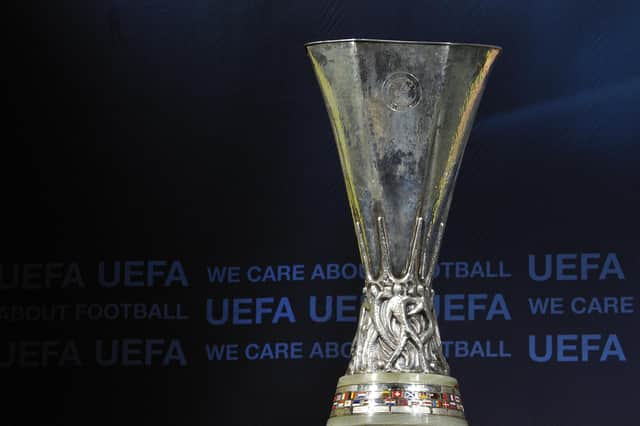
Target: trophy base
x=397 y=399
x=399 y=419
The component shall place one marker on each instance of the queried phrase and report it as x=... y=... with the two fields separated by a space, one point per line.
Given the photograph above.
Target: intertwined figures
x=397 y=327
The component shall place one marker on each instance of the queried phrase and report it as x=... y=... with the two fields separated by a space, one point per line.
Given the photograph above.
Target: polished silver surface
x=401 y=114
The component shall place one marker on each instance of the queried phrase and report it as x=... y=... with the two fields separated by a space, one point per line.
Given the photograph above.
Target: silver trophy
x=401 y=113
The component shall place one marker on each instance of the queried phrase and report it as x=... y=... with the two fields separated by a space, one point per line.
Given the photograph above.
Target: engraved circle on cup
x=401 y=91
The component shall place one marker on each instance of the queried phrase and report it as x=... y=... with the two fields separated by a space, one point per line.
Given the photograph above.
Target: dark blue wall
x=194 y=133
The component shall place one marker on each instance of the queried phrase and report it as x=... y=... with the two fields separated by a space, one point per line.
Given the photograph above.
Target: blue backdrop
x=177 y=247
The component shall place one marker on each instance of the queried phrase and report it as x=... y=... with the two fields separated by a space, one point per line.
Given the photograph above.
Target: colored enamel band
x=397 y=398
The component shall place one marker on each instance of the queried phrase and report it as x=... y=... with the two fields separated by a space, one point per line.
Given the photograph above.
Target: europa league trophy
x=401 y=113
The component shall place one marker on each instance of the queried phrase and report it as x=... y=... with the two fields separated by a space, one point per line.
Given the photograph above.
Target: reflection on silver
x=401 y=113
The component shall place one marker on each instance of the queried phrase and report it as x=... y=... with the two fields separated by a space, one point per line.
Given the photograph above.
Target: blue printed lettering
x=574 y=267
x=142 y=274
x=246 y=311
x=330 y=350
x=546 y=305
x=460 y=307
x=217 y=274
x=224 y=352
x=140 y=352
x=576 y=348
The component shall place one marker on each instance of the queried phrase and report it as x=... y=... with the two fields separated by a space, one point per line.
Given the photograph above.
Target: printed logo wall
x=178 y=248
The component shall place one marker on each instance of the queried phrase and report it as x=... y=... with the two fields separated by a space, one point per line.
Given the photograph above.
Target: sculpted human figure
x=372 y=333
x=401 y=307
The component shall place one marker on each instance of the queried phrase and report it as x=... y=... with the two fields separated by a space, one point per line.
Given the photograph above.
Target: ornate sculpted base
x=397 y=399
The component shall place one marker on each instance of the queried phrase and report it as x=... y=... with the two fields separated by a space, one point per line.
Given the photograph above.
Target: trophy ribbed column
x=401 y=114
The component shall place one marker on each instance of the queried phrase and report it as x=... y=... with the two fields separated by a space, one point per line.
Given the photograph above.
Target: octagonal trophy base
x=397 y=399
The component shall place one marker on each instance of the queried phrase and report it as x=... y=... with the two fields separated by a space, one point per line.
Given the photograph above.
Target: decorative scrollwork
x=397 y=329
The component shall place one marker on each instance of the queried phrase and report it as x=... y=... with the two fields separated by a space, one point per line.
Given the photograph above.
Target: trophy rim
x=427 y=43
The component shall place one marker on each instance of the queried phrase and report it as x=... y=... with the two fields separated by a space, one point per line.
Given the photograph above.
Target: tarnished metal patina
x=401 y=113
